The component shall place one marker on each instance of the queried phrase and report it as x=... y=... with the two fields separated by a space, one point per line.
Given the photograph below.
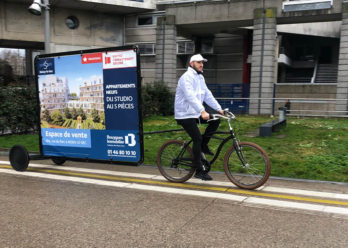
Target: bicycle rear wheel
x=173 y=166
x=254 y=172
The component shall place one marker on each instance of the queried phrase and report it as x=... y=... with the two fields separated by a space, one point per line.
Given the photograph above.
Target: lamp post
x=35 y=9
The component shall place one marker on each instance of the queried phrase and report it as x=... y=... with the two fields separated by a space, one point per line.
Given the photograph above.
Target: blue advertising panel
x=90 y=105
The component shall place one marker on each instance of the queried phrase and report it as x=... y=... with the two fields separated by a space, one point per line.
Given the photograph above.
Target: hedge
x=18 y=109
x=157 y=99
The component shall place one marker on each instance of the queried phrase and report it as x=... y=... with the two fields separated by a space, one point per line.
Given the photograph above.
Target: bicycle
x=246 y=164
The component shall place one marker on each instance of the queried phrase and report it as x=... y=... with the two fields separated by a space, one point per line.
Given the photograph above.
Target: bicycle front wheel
x=174 y=163
x=250 y=169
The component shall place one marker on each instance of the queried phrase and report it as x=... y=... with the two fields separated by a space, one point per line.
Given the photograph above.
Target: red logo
x=107 y=60
x=89 y=58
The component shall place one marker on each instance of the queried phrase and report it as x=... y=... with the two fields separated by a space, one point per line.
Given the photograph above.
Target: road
x=101 y=205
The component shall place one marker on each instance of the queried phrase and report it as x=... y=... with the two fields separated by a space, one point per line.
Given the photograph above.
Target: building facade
x=91 y=94
x=265 y=52
x=54 y=94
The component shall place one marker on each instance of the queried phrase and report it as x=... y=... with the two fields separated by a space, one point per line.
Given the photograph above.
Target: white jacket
x=191 y=92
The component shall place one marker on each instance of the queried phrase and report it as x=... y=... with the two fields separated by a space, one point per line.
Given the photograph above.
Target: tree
x=6 y=73
x=57 y=118
x=102 y=118
x=46 y=116
x=67 y=113
x=81 y=113
x=95 y=115
x=74 y=113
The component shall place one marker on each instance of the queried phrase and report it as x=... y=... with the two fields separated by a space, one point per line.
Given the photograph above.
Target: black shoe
x=206 y=150
x=203 y=175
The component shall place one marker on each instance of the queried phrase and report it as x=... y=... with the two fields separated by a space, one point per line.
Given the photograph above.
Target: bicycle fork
x=240 y=153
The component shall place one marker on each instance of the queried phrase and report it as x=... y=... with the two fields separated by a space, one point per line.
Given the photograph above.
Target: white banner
x=119 y=59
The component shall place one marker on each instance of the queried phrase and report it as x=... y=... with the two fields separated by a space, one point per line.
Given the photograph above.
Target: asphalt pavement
x=105 y=205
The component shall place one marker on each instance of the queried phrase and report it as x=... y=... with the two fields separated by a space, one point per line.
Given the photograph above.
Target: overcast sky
x=21 y=51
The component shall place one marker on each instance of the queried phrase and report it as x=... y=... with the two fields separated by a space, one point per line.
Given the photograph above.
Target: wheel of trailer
x=19 y=158
x=58 y=161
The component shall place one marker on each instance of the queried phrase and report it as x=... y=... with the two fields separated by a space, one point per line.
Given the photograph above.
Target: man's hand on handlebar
x=205 y=115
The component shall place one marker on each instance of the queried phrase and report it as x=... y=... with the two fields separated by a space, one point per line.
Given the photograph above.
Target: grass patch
x=308 y=148
x=30 y=141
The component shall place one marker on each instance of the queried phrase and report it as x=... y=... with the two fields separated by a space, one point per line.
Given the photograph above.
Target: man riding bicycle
x=193 y=104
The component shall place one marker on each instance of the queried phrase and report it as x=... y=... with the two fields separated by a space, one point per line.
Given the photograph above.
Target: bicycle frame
x=223 y=142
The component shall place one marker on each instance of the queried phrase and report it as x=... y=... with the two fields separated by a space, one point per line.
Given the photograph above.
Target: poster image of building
x=71 y=94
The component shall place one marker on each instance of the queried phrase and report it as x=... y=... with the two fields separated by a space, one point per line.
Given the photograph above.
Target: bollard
x=282 y=113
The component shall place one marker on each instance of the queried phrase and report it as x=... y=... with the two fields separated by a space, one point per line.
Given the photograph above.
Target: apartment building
x=91 y=95
x=257 y=50
x=54 y=93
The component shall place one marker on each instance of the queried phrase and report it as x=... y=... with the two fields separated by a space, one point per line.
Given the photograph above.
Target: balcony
x=104 y=6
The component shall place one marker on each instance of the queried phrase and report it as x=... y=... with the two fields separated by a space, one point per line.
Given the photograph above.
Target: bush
x=18 y=109
x=67 y=113
x=74 y=113
x=46 y=116
x=157 y=99
x=57 y=118
x=95 y=115
x=81 y=113
x=102 y=118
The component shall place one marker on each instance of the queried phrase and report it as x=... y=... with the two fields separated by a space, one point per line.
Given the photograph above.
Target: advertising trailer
x=90 y=105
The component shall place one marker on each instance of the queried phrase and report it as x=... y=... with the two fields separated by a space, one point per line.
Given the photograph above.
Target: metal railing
x=241 y=105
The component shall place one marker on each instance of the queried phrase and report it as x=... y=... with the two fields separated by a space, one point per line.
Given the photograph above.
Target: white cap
x=197 y=57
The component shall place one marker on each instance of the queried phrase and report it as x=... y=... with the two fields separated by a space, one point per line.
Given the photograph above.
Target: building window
x=72 y=22
x=207 y=47
x=146 y=20
x=147 y=49
x=185 y=47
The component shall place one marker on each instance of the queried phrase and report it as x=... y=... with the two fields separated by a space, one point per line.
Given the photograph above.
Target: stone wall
x=313 y=99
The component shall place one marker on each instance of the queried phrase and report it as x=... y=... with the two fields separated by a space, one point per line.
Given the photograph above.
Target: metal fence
x=239 y=104
x=301 y=107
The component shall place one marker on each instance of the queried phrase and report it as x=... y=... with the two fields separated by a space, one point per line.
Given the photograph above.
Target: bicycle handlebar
x=227 y=116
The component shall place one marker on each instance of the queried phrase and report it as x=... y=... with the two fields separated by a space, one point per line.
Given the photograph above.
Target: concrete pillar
x=342 y=79
x=166 y=51
x=263 y=61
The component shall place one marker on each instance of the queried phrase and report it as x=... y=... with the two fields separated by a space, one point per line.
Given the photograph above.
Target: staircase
x=326 y=73
x=303 y=75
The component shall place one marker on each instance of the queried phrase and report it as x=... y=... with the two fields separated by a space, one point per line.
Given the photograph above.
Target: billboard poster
x=89 y=105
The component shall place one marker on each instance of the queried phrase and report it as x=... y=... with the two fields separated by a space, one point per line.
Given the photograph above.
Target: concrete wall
x=135 y=34
x=263 y=63
x=240 y=12
x=95 y=29
x=325 y=29
x=342 y=82
x=311 y=91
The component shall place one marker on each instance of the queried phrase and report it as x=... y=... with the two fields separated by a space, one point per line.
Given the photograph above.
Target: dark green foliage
x=67 y=113
x=102 y=118
x=81 y=113
x=18 y=109
x=6 y=74
x=57 y=118
x=74 y=113
x=157 y=99
x=95 y=115
x=46 y=116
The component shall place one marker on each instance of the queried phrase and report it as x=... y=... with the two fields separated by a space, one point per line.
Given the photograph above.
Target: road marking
x=83 y=173
x=244 y=200
x=270 y=189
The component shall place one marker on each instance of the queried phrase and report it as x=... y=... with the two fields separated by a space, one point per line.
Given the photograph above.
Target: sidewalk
x=303 y=184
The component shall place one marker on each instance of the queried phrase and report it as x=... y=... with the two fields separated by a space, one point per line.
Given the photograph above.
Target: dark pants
x=190 y=126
